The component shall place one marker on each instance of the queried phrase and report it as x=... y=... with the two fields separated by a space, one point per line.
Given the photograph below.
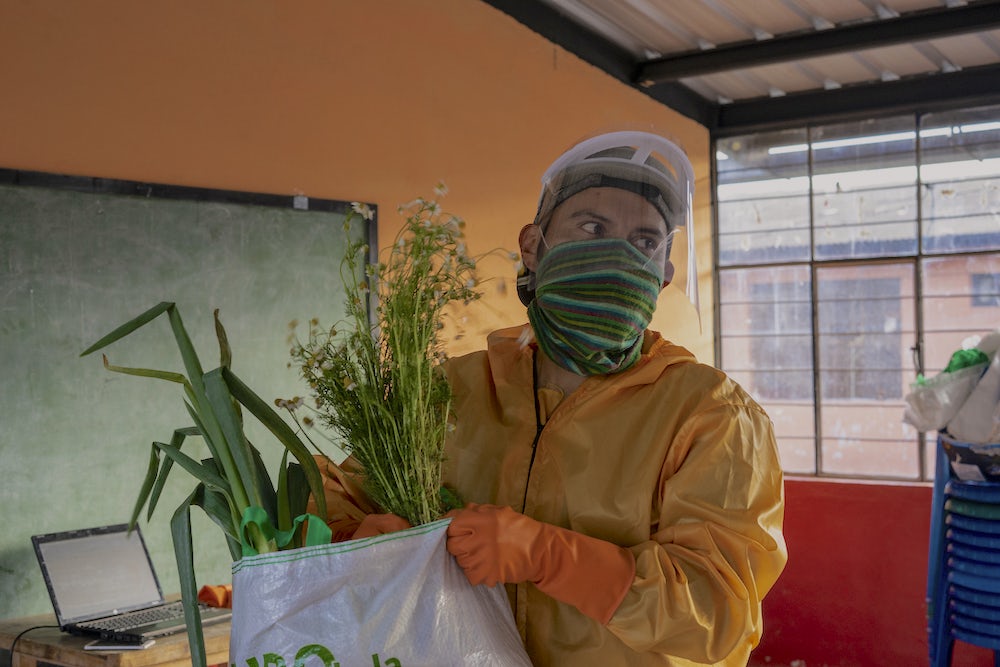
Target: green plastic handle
x=317 y=532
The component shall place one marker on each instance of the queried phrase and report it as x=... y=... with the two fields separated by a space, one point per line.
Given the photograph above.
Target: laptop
x=102 y=584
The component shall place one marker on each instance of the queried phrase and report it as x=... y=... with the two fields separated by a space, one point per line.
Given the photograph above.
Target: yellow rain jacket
x=669 y=459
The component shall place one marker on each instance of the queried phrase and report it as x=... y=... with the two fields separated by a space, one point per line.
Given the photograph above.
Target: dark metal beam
x=587 y=45
x=966 y=88
x=910 y=27
x=969 y=87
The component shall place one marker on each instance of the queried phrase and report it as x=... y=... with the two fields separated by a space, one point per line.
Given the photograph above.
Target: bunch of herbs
x=377 y=379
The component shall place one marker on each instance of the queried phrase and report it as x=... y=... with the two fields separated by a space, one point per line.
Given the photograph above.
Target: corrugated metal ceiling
x=736 y=64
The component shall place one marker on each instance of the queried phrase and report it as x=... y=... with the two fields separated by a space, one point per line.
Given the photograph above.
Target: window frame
x=916 y=260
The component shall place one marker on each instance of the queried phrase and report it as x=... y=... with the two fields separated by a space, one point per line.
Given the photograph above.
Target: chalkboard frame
x=97 y=185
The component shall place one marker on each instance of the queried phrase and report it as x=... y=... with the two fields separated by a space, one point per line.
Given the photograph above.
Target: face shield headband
x=640 y=162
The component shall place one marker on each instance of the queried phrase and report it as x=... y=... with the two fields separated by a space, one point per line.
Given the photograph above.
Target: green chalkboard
x=78 y=257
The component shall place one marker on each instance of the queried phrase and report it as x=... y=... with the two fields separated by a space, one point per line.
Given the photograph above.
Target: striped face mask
x=593 y=300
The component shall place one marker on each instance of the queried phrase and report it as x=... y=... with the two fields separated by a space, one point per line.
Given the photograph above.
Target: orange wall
x=375 y=100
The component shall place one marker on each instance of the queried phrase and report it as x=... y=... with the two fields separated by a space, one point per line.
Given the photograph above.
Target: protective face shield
x=639 y=162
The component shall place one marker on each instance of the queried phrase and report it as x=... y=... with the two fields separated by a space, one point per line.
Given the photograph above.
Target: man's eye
x=646 y=243
x=592 y=227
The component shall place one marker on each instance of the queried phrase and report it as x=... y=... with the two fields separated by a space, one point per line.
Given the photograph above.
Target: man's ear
x=668 y=273
x=528 y=240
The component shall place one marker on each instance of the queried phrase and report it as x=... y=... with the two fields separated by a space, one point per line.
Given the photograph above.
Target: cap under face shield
x=639 y=162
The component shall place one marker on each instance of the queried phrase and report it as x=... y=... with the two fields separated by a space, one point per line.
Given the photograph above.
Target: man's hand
x=498 y=545
x=380 y=524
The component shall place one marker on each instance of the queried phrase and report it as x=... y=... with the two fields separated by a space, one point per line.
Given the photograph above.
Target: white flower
x=410 y=204
x=289 y=404
x=441 y=189
x=364 y=210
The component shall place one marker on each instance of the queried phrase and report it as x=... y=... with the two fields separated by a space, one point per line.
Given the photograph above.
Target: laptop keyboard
x=135 y=618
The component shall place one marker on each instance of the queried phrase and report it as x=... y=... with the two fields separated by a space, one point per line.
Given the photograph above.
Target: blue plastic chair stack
x=963 y=585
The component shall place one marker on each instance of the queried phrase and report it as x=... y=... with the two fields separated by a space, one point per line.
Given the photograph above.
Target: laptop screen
x=96 y=572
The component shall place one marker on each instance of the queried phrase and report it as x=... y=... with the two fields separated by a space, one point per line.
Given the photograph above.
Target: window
x=985 y=290
x=860 y=338
x=852 y=257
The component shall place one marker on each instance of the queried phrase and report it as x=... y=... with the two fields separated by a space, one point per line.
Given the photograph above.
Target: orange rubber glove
x=216 y=596
x=380 y=524
x=498 y=545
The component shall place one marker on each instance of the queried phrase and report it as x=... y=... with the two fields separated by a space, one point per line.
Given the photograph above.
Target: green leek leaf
x=146 y=372
x=180 y=530
x=219 y=510
x=190 y=358
x=129 y=327
x=147 y=485
x=295 y=498
x=205 y=419
x=176 y=440
x=237 y=447
x=265 y=487
x=284 y=511
x=203 y=473
x=276 y=425
x=225 y=352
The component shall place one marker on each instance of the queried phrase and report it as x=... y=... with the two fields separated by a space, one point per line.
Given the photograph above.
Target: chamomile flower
x=364 y=210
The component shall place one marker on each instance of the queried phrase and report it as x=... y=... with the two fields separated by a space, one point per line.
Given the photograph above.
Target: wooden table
x=49 y=647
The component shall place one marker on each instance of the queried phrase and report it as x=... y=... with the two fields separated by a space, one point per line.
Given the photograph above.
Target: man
x=630 y=497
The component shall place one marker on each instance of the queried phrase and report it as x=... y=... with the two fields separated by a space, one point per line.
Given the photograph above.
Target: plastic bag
x=388 y=601
x=931 y=405
x=978 y=419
